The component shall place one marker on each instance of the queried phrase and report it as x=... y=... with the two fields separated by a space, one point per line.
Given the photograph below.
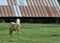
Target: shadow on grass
x=55 y=35
x=11 y=41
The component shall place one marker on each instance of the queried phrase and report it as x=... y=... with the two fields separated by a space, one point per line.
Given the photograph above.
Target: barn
x=41 y=11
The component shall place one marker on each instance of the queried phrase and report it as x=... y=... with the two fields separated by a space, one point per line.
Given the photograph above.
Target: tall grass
x=31 y=33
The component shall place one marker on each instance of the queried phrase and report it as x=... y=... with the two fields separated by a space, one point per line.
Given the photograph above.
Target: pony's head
x=18 y=21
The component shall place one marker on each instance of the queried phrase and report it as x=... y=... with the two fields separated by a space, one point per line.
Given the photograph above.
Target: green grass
x=31 y=33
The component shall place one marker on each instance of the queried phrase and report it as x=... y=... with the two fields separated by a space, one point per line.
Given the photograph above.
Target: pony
x=14 y=26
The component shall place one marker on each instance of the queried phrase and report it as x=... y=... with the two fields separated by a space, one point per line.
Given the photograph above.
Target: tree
x=59 y=1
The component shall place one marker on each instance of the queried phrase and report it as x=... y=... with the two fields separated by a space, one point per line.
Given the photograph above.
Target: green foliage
x=59 y=1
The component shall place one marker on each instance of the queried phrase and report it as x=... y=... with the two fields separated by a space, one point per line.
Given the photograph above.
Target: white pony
x=14 y=27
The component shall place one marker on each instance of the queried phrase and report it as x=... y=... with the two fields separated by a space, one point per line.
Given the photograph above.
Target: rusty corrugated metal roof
x=6 y=11
x=30 y=8
x=40 y=8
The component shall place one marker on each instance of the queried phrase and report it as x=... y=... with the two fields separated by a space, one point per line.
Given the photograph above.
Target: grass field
x=32 y=33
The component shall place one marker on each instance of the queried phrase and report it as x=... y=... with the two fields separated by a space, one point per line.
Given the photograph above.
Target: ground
x=31 y=33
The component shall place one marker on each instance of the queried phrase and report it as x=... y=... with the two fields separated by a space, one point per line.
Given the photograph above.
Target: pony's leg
x=17 y=32
x=10 y=33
